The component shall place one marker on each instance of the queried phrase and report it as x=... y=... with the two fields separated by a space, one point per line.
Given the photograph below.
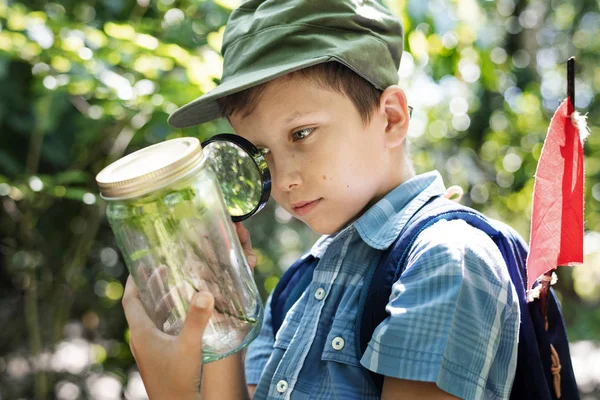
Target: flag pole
x=546 y=279
x=571 y=80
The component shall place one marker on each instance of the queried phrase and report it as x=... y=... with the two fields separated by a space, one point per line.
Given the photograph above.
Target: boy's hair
x=330 y=75
x=266 y=39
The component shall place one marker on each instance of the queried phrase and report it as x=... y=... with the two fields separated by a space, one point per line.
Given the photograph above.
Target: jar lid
x=150 y=168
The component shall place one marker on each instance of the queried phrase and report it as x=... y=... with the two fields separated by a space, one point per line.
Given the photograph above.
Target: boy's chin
x=325 y=227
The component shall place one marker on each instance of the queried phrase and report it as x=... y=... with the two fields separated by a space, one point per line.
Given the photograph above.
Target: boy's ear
x=393 y=107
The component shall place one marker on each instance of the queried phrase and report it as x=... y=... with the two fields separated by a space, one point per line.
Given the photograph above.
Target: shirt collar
x=382 y=223
x=318 y=249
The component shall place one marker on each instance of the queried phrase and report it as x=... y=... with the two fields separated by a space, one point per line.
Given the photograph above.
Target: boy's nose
x=287 y=183
x=287 y=177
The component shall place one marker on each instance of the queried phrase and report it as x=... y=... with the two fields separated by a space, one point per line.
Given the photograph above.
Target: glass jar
x=167 y=212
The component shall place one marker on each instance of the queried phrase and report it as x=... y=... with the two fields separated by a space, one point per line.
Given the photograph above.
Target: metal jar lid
x=150 y=168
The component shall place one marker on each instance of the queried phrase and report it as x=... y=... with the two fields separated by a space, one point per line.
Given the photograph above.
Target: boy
x=312 y=83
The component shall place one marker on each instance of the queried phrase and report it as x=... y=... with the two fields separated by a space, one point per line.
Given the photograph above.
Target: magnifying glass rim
x=259 y=162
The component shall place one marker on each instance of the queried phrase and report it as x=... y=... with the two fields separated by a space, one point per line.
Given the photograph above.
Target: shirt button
x=320 y=294
x=337 y=343
x=282 y=386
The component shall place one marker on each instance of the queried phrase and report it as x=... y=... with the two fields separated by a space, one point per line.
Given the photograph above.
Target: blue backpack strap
x=378 y=281
x=533 y=378
x=290 y=287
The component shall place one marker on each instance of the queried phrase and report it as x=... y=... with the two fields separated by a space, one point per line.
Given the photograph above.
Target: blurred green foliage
x=84 y=82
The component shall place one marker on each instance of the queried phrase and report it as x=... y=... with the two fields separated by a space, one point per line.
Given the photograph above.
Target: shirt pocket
x=340 y=345
x=287 y=330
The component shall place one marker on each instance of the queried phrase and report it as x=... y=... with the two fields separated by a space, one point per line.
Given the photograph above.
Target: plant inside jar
x=175 y=244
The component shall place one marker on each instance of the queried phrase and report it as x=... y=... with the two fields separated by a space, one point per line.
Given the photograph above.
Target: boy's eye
x=302 y=134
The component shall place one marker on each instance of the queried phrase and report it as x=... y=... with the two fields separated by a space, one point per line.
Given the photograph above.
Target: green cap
x=265 y=39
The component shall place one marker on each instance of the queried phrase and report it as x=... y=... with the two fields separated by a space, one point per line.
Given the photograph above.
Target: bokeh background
x=84 y=82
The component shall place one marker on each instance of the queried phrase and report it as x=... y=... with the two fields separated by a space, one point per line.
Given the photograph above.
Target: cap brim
x=205 y=108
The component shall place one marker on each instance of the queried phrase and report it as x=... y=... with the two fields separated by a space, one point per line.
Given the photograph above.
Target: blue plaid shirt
x=453 y=313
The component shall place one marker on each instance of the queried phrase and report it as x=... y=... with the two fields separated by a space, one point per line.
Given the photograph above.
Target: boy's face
x=326 y=165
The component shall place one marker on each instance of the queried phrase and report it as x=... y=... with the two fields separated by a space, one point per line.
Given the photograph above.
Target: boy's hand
x=244 y=236
x=170 y=366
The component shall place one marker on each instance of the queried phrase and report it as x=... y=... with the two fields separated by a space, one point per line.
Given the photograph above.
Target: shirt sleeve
x=260 y=349
x=453 y=316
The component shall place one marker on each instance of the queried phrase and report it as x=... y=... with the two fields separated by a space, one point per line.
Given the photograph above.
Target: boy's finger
x=163 y=308
x=243 y=234
x=158 y=283
x=178 y=295
x=246 y=243
x=196 y=319
x=142 y=274
x=132 y=348
x=251 y=260
x=135 y=313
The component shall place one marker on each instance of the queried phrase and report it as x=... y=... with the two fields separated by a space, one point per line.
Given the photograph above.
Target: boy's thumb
x=198 y=315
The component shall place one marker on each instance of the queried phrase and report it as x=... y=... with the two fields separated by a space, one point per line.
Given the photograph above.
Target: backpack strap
x=290 y=287
x=378 y=282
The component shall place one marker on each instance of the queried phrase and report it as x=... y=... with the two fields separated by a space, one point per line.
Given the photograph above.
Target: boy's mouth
x=304 y=207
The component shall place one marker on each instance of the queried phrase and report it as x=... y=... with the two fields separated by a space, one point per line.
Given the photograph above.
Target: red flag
x=557 y=215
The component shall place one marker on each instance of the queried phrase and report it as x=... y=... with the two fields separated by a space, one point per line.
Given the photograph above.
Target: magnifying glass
x=242 y=172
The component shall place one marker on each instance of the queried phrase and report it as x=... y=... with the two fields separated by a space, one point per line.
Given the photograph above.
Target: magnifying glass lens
x=242 y=173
